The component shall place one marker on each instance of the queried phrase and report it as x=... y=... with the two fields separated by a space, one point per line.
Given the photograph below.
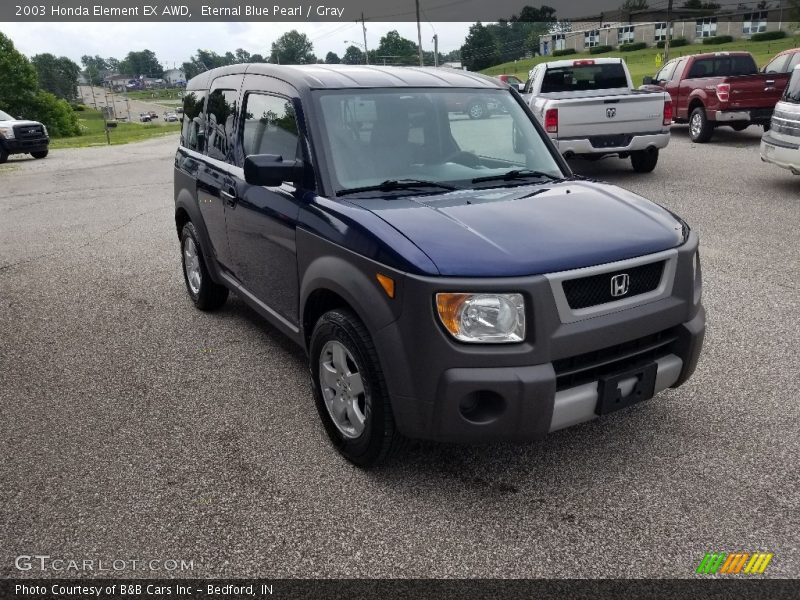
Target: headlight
x=483 y=318
x=697 y=277
x=45 y=130
x=7 y=131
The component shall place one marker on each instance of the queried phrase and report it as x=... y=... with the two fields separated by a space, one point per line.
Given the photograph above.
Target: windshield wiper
x=517 y=174
x=397 y=184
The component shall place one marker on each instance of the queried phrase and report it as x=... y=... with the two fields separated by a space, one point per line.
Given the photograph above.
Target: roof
x=569 y=62
x=355 y=76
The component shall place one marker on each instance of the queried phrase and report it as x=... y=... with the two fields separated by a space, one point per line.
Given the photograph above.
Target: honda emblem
x=620 y=285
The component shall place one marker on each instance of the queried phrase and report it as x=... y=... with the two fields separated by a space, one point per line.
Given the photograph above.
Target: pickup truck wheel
x=477 y=110
x=644 y=161
x=41 y=154
x=205 y=294
x=700 y=129
x=349 y=389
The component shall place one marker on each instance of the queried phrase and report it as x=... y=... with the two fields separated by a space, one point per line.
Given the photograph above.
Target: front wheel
x=700 y=128
x=40 y=154
x=205 y=294
x=477 y=110
x=644 y=161
x=3 y=155
x=349 y=389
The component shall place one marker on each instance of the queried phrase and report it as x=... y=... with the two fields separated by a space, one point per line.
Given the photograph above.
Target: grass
x=94 y=134
x=150 y=95
x=643 y=62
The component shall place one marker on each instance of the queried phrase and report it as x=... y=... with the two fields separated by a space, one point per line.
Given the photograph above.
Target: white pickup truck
x=589 y=109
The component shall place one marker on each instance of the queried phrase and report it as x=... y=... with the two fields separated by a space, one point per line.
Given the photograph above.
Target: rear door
x=262 y=221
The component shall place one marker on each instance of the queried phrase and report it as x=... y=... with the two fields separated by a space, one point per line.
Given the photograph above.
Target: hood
x=18 y=122
x=530 y=230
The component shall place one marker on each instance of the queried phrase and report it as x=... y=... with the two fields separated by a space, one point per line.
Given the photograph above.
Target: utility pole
x=435 y=50
x=364 y=31
x=419 y=37
x=669 y=30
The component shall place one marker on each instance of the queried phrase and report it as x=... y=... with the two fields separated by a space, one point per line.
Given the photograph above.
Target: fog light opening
x=482 y=406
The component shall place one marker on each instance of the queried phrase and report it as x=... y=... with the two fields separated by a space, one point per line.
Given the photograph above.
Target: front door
x=262 y=221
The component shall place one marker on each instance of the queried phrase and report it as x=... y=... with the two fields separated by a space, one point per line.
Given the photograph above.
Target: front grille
x=584 y=368
x=597 y=289
x=610 y=141
x=24 y=133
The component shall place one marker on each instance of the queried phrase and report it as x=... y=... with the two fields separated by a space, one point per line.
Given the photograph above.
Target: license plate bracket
x=610 y=397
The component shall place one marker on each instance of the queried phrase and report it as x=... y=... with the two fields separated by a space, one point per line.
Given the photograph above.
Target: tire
x=644 y=161
x=740 y=126
x=3 y=155
x=364 y=432
x=205 y=294
x=477 y=110
x=700 y=128
x=40 y=154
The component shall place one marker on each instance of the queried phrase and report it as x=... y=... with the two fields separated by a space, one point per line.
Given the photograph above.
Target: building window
x=755 y=22
x=559 y=41
x=591 y=38
x=625 y=34
x=706 y=27
x=661 y=32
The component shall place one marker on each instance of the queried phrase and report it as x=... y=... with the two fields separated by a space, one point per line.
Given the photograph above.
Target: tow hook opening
x=482 y=406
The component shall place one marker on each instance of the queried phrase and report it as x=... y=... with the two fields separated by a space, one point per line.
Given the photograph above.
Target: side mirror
x=520 y=86
x=271 y=170
x=647 y=80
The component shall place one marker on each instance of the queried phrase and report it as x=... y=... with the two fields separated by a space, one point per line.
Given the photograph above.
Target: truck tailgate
x=605 y=113
x=755 y=91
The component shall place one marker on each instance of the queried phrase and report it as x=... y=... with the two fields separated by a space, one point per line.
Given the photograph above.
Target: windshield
x=5 y=116
x=793 y=89
x=448 y=136
x=584 y=75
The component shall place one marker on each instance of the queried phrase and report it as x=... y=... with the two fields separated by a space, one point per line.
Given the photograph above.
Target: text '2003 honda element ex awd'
x=449 y=278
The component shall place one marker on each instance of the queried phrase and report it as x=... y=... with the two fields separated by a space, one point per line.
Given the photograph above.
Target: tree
x=479 y=50
x=394 y=49
x=243 y=56
x=257 y=58
x=293 y=48
x=59 y=76
x=95 y=68
x=20 y=94
x=353 y=56
x=331 y=58
x=19 y=83
x=143 y=62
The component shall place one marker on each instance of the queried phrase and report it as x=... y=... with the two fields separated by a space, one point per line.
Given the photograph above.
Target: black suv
x=449 y=278
x=18 y=136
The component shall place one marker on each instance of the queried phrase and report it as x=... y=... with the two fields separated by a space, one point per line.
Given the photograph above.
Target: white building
x=174 y=76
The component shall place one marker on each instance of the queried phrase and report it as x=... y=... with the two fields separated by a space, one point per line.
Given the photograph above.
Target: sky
x=174 y=43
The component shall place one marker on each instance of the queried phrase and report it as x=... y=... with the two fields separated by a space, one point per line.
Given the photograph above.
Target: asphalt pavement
x=134 y=427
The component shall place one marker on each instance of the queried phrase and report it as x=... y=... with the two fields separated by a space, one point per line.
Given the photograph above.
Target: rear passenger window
x=702 y=68
x=221 y=112
x=270 y=126
x=193 y=122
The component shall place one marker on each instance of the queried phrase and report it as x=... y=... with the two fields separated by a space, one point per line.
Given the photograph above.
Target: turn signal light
x=724 y=92
x=387 y=283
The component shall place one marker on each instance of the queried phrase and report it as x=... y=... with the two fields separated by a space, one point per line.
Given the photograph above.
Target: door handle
x=228 y=197
x=770 y=82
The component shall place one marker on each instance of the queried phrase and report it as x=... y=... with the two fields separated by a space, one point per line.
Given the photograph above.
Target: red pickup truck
x=721 y=88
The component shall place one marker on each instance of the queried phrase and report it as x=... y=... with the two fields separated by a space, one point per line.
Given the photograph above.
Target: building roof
x=354 y=76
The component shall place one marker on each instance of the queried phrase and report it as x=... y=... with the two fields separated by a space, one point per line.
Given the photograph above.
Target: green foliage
x=95 y=68
x=768 y=35
x=293 y=48
x=632 y=46
x=59 y=76
x=331 y=58
x=479 y=50
x=394 y=49
x=674 y=43
x=55 y=113
x=600 y=49
x=143 y=62
x=717 y=39
x=564 y=52
x=18 y=83
x=353 y=56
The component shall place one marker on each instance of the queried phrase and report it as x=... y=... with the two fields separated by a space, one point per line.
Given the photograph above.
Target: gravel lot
x=135 y=427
